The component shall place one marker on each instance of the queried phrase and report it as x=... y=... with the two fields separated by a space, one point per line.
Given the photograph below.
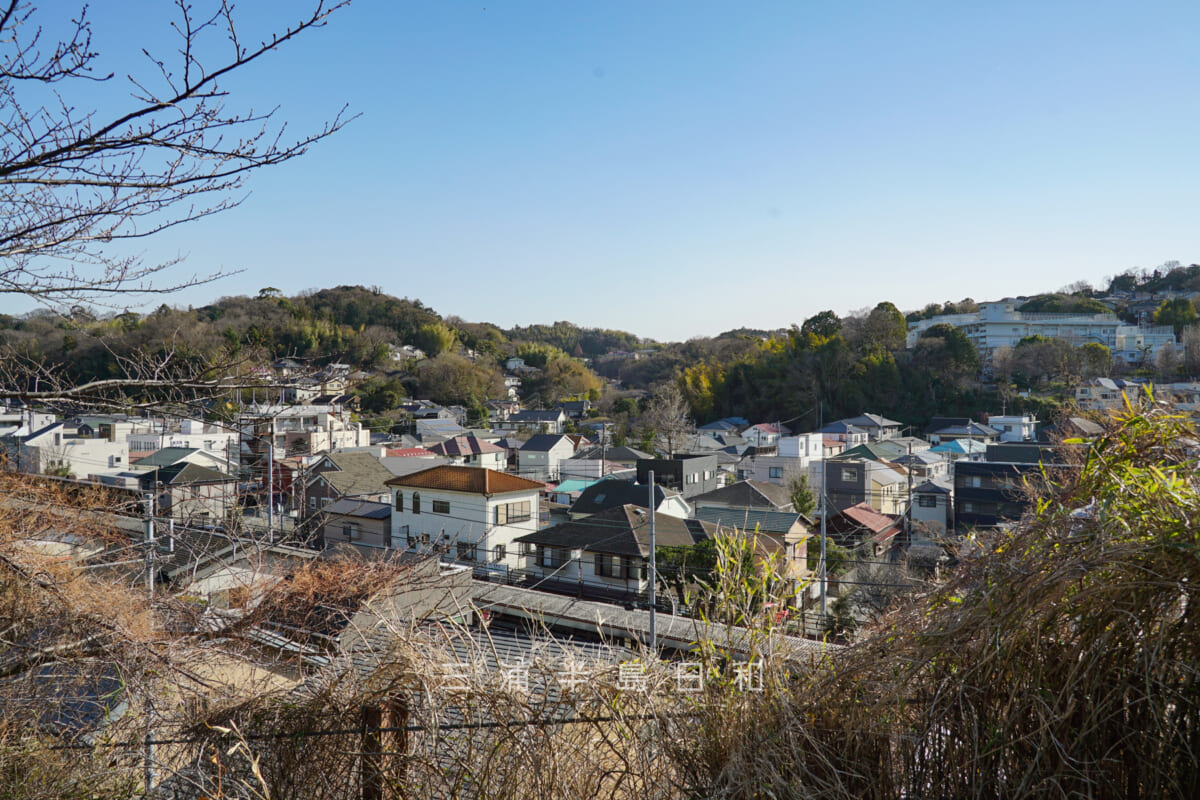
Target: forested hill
x=822 y=368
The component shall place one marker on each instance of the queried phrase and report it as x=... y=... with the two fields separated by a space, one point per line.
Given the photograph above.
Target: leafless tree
x=72 y=181
x=667 y=414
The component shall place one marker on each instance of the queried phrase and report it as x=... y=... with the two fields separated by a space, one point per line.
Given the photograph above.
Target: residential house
x=1014 y=427
x=880 y=485
x=337 y=476
x=167 y=456
x=765 y=434
x=542 y=456
x=690 y=474
x=470 y=514
x=297 y=431
x=575 y=409
x=604 y=556
x=752 y=495
x=597 y=461
x=785 y=533
x=876 y=426
x=612 y=492
x=927 y=465
x=994 y=491
x=542 y=421
x=363 y=524
x=864 y=529
x=471 y=451
x=796 y=455
x=189 y=493
x=932 y=510
x=845 y=433
x=947 y=429
x=73 y=450
x=959 y=449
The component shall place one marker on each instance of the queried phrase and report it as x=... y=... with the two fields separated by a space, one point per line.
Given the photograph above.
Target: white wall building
x=999 y=324
x=469 y=514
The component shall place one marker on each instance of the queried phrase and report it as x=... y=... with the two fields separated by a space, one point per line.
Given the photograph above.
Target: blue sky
x=679 y=169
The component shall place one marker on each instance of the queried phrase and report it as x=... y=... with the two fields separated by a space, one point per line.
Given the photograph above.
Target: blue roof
x=574 y=485
x=963 y=446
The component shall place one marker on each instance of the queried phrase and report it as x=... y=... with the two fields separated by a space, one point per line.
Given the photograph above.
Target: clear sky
x=679 y=169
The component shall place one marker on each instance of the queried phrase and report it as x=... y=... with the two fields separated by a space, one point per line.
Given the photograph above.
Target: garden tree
x=666 y=422
x=435 y=338
x=1178 y=313
x=823 y=325
x=801 y=495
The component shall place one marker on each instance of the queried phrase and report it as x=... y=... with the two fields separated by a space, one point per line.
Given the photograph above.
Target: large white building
x=999 y=324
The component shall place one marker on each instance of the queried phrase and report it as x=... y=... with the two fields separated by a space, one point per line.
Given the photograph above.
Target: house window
x=424 y=538
x=927 y=501
x=441 y=506
x=325 y=501
x=972 y=481
x=347 y=532
x=508 y=513
x=312 y=502
x=399 y=501
x=416 y=503
x=411 y=541
x=466 y=551
x=499 y=552
x=776 y=472
x=551 y=557
x=605 y=566
x=968 y=508
x=850 y=475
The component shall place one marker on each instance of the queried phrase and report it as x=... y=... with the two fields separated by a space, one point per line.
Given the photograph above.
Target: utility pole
x=149 y=541
x=653 y=569
x=148 y=754
x=824 y=506
x=909 y=516
x=271 y=489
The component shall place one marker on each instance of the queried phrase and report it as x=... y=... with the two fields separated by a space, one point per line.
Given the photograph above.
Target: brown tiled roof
x=475 y=480
x=869 y=518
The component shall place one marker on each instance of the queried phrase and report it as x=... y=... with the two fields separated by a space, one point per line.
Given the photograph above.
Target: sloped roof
x=474 y=480
x=871 y=451
x=751 y=519
x=871 y=421
x=367 y=509
x=464 y=446
x=620 y=454
x=867 y=517
x=623 y=530
x=166 y=456
x=356 y=473
x=962 y=446
x=612 y=492
x=184 y=473
x=934 y=486
x=537 y=416
x=747 y=494
x=544 y=442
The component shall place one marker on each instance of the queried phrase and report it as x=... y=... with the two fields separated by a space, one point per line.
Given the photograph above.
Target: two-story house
x=542 y=456
x=470 y=514
x=471 y=451
x=689 y=474
x=605 y=556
